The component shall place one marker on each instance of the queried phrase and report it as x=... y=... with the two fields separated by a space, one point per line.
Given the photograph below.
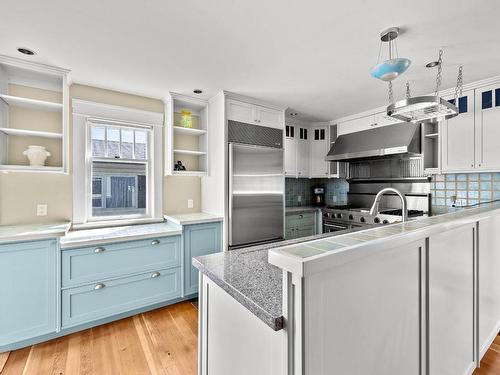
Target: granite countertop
x=33 y=232
x=300 y=210
x=193 y=218
x=89 y=237
x=248 y=277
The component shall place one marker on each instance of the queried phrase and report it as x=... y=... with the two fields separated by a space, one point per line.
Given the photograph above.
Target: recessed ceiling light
x=432 y=64
x=293 y=113
x=26 y=51
x=197 y=91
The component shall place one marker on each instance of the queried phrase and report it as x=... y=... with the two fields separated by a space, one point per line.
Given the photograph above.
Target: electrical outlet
x=299 y=198
x=190 y=203
x=41 y=210
x=334 y=199
x=460 y=202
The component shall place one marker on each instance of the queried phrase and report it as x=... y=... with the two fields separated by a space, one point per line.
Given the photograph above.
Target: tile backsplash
x=471 y=188
x=335 y=190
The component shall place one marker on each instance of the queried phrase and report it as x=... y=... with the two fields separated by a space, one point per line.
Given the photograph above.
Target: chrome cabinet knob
x=155 y=274
x=155 y=242
x=99 y=249
x=99 y=286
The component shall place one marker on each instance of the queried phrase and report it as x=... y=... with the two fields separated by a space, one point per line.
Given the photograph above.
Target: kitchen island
x=421 y=297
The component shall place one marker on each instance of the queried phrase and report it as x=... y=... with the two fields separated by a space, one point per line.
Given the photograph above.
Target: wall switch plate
x=190 y=203
x=41 y=210
x=299 y=198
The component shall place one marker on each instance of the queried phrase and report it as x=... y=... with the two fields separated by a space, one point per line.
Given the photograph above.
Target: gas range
x=347 y=217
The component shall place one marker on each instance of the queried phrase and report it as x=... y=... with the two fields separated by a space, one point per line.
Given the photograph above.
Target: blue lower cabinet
x=28 y=290
x=103 y=299
x=199 y=239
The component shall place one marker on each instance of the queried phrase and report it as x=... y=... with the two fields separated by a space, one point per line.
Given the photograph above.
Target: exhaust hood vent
x=390 y=140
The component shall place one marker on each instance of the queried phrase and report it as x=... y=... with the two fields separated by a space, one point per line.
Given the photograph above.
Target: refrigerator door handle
x=230 y=203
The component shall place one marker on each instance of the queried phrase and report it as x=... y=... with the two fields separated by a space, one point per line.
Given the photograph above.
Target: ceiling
x=313 y=57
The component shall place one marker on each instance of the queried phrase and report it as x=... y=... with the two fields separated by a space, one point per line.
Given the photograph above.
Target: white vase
x=36 y=155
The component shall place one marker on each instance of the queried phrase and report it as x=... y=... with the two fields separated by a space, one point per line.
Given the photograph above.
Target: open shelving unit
x=188 y=145
x=430 y=148
x=34 y=102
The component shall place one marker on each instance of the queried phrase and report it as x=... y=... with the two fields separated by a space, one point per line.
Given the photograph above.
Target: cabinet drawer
x=300 y=220
x=93 y=263
x=100 y=300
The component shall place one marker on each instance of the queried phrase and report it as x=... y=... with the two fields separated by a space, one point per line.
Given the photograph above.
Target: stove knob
x=351 y=217
x=338 y=216
x=326 y=214
x=376 y=220
x=362 y=219
x=385 y=222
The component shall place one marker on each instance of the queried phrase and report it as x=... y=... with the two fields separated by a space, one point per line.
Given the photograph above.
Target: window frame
x=86 y=113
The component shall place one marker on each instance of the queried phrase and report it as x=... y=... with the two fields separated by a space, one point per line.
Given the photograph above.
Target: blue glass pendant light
x=391 y=69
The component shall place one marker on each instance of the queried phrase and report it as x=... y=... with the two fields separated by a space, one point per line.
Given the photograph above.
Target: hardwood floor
x=490 y=365
x=160 y=342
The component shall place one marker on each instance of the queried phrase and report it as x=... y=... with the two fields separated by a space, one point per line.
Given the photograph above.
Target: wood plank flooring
x=160 y=342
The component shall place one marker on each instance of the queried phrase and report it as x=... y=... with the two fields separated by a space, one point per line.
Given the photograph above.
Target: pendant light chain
x=459 y=87
x=408 y=92
x=439 y=72
x=391 y=93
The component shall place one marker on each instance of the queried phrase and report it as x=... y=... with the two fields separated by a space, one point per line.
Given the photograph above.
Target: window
x=119 y=164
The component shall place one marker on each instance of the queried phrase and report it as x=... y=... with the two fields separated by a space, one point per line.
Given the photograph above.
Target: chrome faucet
x=404 y=203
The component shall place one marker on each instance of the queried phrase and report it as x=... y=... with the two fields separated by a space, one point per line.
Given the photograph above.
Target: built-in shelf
x=31 y=103
x=189 y=131
x=257 y=192
x=29 y=168
x=432 y=135
x=259 y=175
x=189 y=173
x=189 y=152
x=31 y=133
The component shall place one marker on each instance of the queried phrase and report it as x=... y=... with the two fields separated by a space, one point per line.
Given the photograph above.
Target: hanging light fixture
x=391 y=69
x=425 y=109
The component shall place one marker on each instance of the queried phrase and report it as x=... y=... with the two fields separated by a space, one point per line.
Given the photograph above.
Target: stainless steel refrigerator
x=256 y=184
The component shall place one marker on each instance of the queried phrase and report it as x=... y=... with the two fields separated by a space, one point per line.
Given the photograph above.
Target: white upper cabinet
x=458 y=137
x=290 y=151
x=319 y=149
x=487 y=142
x=303 y=152
x=254 y=114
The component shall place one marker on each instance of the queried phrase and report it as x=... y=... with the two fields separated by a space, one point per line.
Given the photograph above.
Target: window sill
x=115 y=223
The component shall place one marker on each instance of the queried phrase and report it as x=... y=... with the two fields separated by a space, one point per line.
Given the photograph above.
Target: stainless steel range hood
x=390 y=140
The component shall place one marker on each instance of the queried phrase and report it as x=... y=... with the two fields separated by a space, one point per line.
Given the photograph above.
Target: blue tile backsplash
x=335 y=191
x=473 y=188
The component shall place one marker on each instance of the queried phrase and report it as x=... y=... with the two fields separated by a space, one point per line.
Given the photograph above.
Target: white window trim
x=85 y=112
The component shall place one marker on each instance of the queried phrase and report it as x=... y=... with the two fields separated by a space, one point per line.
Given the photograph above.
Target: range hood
x=391 y=140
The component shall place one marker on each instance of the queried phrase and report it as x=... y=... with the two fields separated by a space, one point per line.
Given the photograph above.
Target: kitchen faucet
x=378 y=197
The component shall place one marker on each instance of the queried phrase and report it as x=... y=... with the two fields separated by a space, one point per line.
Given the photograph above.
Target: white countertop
x=89 y=237
x=193 y=218
x=33 y=232
x=301 y=209
x=307 y=256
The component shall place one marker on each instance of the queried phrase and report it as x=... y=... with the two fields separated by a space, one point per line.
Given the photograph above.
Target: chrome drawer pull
x=99 y=249
x=99 y=286
x=155 y=242
x=155 y=274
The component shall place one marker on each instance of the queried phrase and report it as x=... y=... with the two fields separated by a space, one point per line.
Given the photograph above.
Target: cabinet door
x=269 y=117
x=488 y=128
x=303 y=153
x=451 y=301
x=319 y=149
x=356 y=125
x=28 y=291
x=458 y=137
x=290 y=157
x=199 y=239
x=240 y=111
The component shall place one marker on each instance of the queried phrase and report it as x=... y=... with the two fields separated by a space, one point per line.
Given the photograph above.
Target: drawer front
x=93 y=263
x=300 y=220
x=100 y=300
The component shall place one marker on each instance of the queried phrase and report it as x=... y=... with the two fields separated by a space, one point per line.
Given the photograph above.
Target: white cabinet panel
x=451 y=301
x=303 y=158
x=240 y=111
x=290 y=157
x=358 y=124
x=458 y=138
x=488 y=128
x=319 y=149
x=269 y=117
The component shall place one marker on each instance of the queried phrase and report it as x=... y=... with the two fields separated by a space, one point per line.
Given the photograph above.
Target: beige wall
x=21 y=192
